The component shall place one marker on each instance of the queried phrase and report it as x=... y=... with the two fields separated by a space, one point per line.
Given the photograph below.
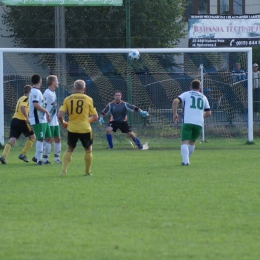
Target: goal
x=150 y=83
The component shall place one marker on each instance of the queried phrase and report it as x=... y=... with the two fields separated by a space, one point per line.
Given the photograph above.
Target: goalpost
x=150 y=83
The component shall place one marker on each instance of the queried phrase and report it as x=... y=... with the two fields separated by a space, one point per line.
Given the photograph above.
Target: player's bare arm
x=207 y=113
x=93 y=118
x=25 y=114
x=175 y=105
x=60 y=117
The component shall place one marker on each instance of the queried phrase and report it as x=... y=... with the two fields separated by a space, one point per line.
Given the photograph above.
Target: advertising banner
x=212 y=31
x=63 y=2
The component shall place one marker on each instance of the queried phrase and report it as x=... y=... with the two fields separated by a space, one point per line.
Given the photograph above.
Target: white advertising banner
x=63 y=2
x=211 y=31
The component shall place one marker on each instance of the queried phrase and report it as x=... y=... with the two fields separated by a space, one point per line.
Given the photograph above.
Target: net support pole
x=202 y=91
x=2 y=127
x=250 y=96
x=129 y=89
x=128 y=45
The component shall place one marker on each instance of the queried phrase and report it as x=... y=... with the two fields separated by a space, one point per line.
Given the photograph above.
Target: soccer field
x=136 y=205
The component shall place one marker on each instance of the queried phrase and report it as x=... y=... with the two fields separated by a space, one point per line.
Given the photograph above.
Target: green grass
x=136 y=205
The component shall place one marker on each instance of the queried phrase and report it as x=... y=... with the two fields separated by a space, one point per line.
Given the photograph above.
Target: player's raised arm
x=134 y=108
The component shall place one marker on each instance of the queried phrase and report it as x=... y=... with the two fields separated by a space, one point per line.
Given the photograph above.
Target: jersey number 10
x=197 y=103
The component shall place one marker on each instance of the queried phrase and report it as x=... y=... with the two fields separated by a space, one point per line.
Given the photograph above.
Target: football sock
x=66 y=160
x=57 y=149
x=110 y=141
x=191 y=149
x=39 y=150
x=27 y=147
x=88 y=161
x=185 y=153
x=46 y=151
x=7 y=149
x=44 y=143
x=138 y=143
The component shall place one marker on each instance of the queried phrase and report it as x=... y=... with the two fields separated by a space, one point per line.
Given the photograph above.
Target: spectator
x=238 y=74
x=256 y=87
x=256 y=76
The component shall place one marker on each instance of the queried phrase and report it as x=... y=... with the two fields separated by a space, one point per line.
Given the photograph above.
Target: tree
x=153 y=24
x=256 y=54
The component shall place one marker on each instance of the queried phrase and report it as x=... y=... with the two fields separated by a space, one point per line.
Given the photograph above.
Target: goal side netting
x=151 y=83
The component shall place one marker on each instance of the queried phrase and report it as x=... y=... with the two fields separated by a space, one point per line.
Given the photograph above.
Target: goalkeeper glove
x=144 y=113
x=101 y=120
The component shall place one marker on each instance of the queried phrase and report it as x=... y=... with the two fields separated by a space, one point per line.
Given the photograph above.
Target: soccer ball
x=134 y=55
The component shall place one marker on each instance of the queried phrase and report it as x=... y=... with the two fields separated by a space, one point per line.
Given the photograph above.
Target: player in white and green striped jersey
x=195 y=109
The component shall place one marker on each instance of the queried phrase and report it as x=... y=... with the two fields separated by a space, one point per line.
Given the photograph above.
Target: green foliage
x=153 y=24
x=136 y=205
x=30 y=26
x=256 y=55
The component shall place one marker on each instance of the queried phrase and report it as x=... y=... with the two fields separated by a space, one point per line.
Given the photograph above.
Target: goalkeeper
x=118 y=118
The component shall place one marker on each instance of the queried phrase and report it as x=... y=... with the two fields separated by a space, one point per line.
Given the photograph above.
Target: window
x=233 y=7
x=238 y=7
x=197 y=7
x=223 y=6
x=201 y=6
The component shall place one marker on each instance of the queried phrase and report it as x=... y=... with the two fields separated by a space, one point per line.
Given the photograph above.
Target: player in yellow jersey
x=20 y=125
x=81 y=113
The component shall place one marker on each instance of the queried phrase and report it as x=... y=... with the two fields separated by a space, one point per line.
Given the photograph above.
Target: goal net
x=150 y=83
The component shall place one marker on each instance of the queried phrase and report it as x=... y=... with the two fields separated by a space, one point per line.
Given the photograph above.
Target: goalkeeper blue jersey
x=118 y=111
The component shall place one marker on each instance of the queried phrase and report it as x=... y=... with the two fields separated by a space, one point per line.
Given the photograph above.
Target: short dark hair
x=195 y=84
x=36 y=79
x=118 y=91
x=27 y=89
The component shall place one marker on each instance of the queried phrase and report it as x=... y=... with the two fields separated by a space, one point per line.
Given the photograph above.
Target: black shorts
x=19 y=127
x=85 y=138
x=124 y=127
